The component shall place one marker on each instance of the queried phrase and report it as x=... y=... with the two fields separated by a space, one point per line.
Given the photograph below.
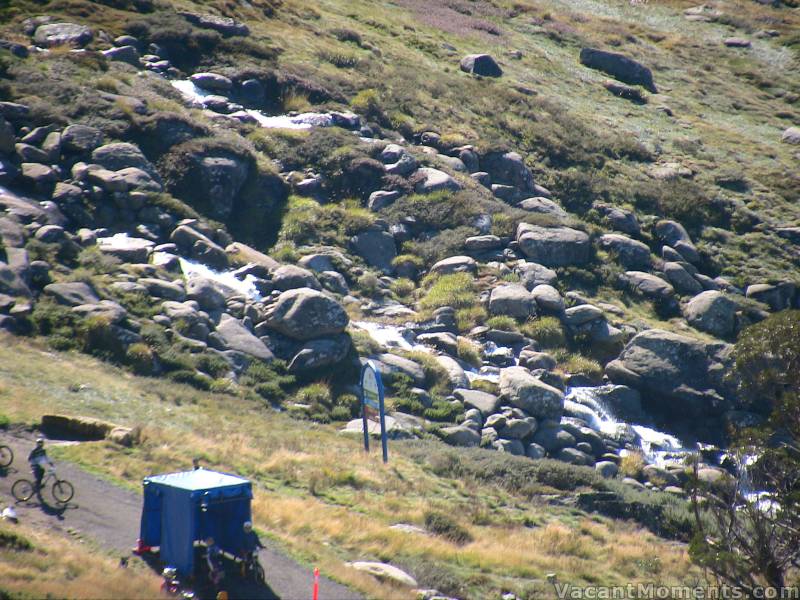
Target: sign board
x=372 y=408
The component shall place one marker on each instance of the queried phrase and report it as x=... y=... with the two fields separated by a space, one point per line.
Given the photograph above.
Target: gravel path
x=109 y=515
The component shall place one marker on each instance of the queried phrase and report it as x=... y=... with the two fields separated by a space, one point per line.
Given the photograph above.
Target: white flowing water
x=225 y=279
x=391 y=337
x=656 y=446
x=197 y=95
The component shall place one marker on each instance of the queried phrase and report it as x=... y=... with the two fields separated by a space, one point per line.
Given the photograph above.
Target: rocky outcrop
x=554 y=246
x=680 y=378
x=304 y=314
x=481 y=64
x=712 y=312
x=237 y=337
x=60 y=34
x=618 y=66
x=513 y=300
x=521 y=389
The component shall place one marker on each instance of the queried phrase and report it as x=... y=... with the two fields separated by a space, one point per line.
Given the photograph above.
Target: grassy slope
x=329 y=503
x=38 y=564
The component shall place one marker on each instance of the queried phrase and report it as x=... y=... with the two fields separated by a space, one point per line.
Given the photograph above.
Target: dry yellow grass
x=321 y=496
x=59 y=567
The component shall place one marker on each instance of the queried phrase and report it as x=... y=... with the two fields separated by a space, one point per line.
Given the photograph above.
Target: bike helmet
x=169 y=572
x=248 y=526
x=40 y=441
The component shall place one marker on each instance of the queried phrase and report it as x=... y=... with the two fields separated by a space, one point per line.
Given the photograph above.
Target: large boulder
x=554 y=246
x=675 y=235
x=127 y=249
x=319 y=353
x=455 y=264
x=376 y=247
x=648 y=285
x=206 y=293
x=509 y=168
x=81 y=139
x=533 y=274
x=681 y=278
x=237 y=337
x=304 y=314
x=791 y=135
x=11 y=283
x=428 y=180
x=548 y=298
x=481 y=64
x=619 y=219
x=455 y=372
x=712 y=312
x=121 y=155
x=392 y=364
x=72 y=293
x=681 y=379
x=289 y=277
x=631 y=254
x=460 y=435
x=618 y=66
x=521 y=389
x=513 y=300
x=60 y=34
x=486 y=403
x=225 y=25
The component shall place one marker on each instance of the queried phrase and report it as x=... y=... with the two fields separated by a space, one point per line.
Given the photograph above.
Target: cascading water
x=226 y=279
x=199 y=96
x=656 y=446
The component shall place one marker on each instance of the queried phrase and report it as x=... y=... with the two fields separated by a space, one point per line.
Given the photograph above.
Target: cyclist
x=250 y=543
x=216 y=569
x=37 y=459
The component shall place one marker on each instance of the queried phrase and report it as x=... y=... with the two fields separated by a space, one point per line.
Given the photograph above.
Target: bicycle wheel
x=6 y=456
x=258 y=573
x=22 y=490
x=63 y=491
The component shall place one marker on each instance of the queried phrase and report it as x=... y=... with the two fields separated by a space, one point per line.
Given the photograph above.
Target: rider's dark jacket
x=36 y=454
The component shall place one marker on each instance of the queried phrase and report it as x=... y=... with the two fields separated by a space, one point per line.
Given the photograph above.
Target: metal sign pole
x=372 y=405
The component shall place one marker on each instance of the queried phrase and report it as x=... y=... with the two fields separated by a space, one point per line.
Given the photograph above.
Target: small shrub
x=442 y=410
x=10 y=540
x=98 y=337
x=5 y=422
x=469 y=352
x=580 y=365
x=547 y=331
x=402 y=287
x=409 y=259
x=340 y=60
x=346 y=35
x=467 y=318
x=502 y=322
x=319 y=400
x=192 y=378
x=270 y=391
x=631 y=465
x=484 y=385
x=368 y=284
x=446 y=527
x=141 y=359
x=456 y=290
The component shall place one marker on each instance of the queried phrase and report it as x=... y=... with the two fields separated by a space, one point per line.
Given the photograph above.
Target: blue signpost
x=372 y=407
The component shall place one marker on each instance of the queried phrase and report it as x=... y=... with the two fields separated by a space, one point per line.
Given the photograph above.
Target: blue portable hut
x=181 y=508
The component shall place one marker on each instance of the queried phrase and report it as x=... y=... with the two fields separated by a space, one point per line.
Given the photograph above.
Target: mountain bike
x=6 y=456
x=62 y=490
x=251 y=567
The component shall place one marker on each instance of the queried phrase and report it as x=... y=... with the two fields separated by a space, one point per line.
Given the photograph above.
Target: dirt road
x=109 y=515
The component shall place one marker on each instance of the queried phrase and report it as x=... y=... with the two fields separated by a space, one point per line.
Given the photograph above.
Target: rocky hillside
x=546 y=222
